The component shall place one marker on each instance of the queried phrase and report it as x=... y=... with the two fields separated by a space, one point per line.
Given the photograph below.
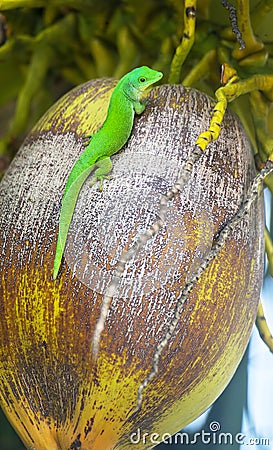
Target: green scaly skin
x=128 y=97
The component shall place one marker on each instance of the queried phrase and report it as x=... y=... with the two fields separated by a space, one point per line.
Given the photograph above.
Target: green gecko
x=129 y=96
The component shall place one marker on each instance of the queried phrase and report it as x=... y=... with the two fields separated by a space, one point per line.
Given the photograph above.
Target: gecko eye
x=142 y=79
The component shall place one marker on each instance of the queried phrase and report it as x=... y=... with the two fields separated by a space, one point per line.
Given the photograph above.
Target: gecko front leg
x=140 y=106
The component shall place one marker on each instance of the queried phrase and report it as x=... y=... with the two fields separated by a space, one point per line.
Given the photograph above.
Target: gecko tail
x=67 y=209
x=57 y=260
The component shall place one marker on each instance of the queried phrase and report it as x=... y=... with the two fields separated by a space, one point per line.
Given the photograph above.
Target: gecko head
x=140 y=79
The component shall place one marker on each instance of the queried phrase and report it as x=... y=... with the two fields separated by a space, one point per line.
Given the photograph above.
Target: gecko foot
x=100 y=179
x=86 y=139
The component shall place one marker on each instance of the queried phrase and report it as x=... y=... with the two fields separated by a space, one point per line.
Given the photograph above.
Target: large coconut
x=53 y=390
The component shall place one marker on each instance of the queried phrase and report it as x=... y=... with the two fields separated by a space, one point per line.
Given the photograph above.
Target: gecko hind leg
x=104 y=167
